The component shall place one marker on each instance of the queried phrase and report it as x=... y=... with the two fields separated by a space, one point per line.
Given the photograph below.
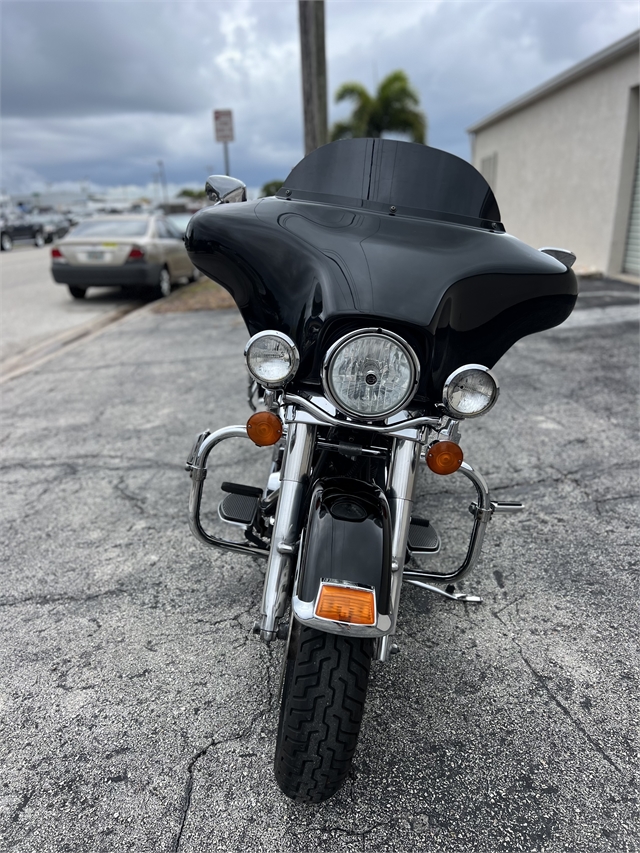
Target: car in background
x=180 y=220
x=54 y=226
x=15 y=227
x=128 y=251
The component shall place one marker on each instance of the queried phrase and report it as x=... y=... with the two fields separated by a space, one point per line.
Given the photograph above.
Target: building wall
x=559 y=166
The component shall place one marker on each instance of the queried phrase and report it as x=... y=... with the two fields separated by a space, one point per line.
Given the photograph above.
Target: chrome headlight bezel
x=295 y=358
x=377 y=332
x=448 y=386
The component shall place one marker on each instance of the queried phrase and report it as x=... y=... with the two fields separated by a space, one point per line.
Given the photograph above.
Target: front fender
x=347 y=538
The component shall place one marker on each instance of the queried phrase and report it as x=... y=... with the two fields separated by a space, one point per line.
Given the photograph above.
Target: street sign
x=223 y=122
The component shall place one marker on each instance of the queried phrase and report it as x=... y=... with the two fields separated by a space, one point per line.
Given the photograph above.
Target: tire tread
x=321 y=712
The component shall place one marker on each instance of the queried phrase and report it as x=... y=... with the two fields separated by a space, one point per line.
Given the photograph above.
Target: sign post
x=223 y=124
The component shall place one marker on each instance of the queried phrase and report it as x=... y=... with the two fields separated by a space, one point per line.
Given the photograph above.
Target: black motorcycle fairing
x=308 y=269
x=348 y=537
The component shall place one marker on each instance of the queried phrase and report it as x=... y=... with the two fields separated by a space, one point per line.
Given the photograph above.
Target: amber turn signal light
x=444 y=457
x=346 y=604
x=264 y=428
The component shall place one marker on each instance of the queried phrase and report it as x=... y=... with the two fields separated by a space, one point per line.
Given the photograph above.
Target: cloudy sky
x=100 y=90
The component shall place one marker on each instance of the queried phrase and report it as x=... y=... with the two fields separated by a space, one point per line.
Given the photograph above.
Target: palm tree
x=392 y=108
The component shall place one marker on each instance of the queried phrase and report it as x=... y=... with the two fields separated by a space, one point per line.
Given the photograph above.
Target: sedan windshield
x=111 y=228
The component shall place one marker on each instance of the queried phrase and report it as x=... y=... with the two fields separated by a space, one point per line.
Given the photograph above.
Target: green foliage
x=270 y=188
x=195 y=194
x=394 y=107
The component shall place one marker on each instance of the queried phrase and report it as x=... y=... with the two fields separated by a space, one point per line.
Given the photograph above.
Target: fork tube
x=401 y=485
x=295 y=474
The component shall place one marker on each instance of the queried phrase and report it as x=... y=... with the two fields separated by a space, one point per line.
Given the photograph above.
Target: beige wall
x=561 y=161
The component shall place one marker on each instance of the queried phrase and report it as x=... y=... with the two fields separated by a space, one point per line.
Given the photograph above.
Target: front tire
x=6 y=243
x=323 y=693
x=38 y=240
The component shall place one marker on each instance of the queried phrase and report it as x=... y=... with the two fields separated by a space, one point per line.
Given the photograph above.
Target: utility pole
x=314 y=73
x=163 y=181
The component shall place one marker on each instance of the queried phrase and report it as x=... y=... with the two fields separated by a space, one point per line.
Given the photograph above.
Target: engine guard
x=348 y=542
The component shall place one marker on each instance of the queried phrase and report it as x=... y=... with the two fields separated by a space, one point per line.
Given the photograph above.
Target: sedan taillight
x=57 y=257
x=136 y=254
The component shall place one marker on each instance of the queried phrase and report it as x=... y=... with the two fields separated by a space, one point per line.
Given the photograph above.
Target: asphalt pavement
x=138 y=713
x=37 y=315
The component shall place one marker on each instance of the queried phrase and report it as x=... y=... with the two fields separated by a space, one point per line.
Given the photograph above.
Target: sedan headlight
x=470 y=391
x=370 y=374
x=272 y=358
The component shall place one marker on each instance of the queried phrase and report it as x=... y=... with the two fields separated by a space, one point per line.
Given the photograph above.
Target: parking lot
x=139 y=713
x=39 y=315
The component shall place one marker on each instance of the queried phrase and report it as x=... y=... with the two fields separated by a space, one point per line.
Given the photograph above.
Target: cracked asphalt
x=139 y=714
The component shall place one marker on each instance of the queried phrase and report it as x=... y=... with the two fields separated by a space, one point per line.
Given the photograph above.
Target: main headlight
x=470 y=391
x=272 y=358
x=371 y=374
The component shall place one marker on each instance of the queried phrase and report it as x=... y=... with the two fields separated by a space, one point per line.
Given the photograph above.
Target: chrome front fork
x=296 y=468
x=405 y=459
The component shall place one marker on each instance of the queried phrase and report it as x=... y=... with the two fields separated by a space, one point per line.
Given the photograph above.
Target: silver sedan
x=121 y=251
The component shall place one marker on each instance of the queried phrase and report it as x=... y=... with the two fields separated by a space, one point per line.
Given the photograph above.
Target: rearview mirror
x=221 y=189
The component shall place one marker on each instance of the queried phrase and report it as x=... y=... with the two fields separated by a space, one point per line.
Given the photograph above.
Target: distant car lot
x=122 y=251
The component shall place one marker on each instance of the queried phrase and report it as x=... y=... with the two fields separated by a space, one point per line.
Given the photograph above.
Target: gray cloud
x=104 y=89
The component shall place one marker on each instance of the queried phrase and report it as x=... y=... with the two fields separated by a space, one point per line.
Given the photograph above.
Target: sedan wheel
x=164 y=282
x=6 y=243
x=78 y=292
x=39 y=240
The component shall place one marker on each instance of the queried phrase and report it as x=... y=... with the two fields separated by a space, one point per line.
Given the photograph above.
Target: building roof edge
x=604 y=57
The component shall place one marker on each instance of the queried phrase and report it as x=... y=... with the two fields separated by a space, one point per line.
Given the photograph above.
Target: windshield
x=394 y=177
x=180 y=220
x=111 y=228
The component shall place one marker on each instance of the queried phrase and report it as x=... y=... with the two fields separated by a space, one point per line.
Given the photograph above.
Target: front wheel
x=6 y=243
x=38 y=240
x=323 y=693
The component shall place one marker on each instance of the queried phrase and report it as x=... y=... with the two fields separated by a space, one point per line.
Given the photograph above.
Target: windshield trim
x=391 y=210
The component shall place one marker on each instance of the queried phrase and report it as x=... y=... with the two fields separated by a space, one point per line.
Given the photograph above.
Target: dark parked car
x=121 y=251
x=53 y=225
x=16 y=227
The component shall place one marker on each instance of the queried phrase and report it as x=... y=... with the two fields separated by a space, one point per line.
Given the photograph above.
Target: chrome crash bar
x=482 y=512
x=197 y=468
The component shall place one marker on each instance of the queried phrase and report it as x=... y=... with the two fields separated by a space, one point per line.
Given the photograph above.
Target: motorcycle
x=379 y=288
